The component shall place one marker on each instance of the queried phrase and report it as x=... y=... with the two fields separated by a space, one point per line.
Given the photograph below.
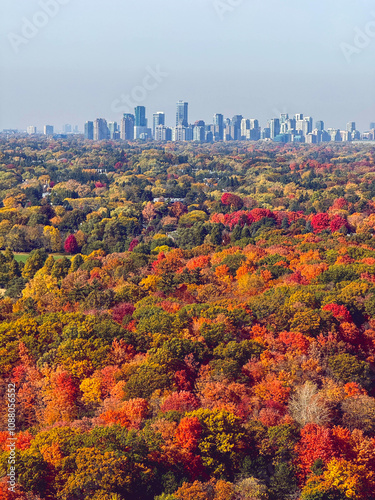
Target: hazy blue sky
x=256 y=58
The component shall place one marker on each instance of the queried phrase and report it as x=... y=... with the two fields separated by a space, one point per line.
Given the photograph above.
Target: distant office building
x=255 y=130
x=127 y=127
x=67 y=128
x=346 y=135
x=218 y=131
x=245 y=129
x=274 y=127
x=319 y=125
x=291 y=125
x=283 y=127
x=299 y=122
x=113 y=129
x=31 y=130
x=350 y=127
x=89 y=130
x=283 y=138
x=266 y=133
x=146 y=135
x=199 y=131
x=142 y=133
x=236 y=127
x=208 y=135
x=368 y=136
x=372 y=125
x=298 y=138
x=48 y=129
x=255 y=133
x=285 y=123
x=334 y=134
x=181 y=133
x=326 y=137
x=163 y=133
x=318 y=135
x=218 y=119
x=307 y=125
x=140 y=116
x=101 y=132
x=232 y=132
x=157 y=119
x=228 y=133
x=299 y=126
x=356 y=135
x=182 y=117
x=284 y=117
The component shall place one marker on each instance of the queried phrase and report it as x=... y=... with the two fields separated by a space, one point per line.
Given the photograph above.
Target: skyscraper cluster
x=298 y=128
x=132 y=126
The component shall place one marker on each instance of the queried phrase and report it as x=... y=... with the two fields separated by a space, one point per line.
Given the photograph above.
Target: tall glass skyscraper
x=157 y=119
x=101 y=132
x=218 y=119
x=218 y=127
x=127 y=127
x=182 y=114
x=274 y=127
x=140 y=116
x=89 y=130
x=236 y=124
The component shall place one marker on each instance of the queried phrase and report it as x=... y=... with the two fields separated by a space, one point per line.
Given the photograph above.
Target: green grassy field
x=22 y=257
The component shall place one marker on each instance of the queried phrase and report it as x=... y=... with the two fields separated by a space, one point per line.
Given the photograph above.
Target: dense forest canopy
x=188 y=321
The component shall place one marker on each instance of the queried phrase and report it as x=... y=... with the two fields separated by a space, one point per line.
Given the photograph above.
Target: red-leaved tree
x=231 y=199
x=71 y=245
x=320 y=222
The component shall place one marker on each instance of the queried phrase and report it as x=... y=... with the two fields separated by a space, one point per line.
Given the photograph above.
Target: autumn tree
x=359 y=413
x=306 y=406
x=71 y=245
x=221 y=442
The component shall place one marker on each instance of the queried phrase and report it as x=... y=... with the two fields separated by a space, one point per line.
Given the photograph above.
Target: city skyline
x=170 y=119
x=283 y=129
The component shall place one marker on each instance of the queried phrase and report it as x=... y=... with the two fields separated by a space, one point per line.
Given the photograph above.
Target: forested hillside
x=188 y=322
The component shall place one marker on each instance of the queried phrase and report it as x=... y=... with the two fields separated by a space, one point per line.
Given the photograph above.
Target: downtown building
x=163 y=133
x=48 y=130
x=127 y=127
x=89 y=131
x=141 y=131
x=182 y=134
x=182 y=114
x=101 y=132
x=157 y=119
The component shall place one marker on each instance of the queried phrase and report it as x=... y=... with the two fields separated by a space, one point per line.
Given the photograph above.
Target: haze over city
x=254 y=58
